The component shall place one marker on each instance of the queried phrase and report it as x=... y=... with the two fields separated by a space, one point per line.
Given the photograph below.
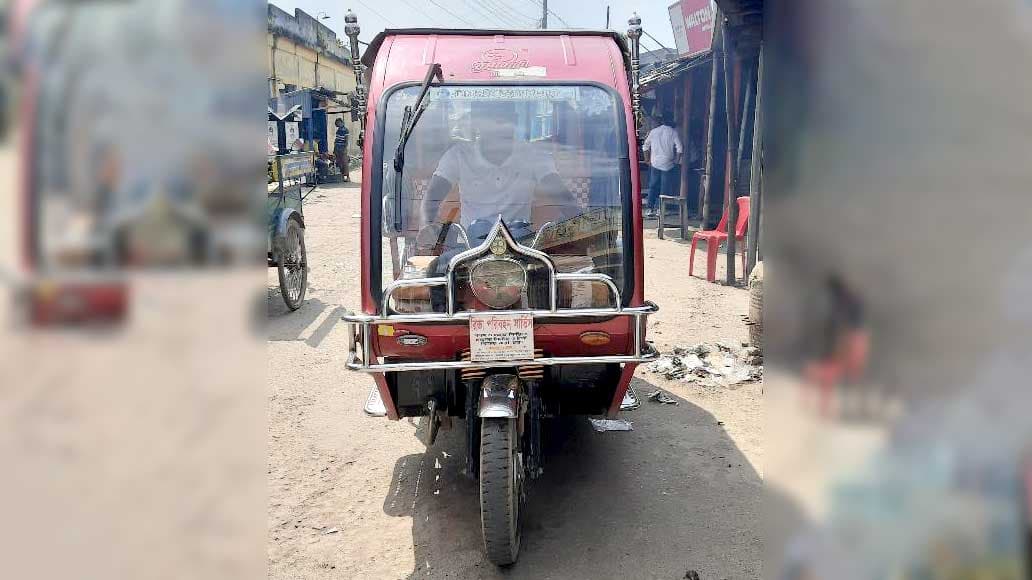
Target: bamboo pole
x=755 y=173
x=686 y=126
x=730 y=96
x=743 y=123
x=711 y=117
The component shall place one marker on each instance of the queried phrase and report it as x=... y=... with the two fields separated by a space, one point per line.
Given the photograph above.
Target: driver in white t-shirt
x=497 y=174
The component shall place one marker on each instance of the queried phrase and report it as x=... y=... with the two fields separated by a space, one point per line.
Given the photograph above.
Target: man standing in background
x=665 y=149
x=340 y=149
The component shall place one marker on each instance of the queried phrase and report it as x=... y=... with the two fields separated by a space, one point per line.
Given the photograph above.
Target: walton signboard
x=693 y=23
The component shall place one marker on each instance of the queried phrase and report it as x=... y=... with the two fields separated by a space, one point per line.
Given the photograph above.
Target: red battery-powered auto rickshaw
x=501 y=241
x=56 y=281
x=103 y=205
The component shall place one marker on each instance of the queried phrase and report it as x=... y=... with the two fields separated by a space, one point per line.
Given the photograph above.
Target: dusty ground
x=357 y=497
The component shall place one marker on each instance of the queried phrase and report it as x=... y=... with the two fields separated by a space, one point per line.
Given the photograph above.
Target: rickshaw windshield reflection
x=546 y=159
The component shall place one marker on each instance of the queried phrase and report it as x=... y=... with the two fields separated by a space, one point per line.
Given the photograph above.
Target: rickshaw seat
x=714 y=238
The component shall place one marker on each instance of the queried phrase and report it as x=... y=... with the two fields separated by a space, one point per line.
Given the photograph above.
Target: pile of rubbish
x=711 y=365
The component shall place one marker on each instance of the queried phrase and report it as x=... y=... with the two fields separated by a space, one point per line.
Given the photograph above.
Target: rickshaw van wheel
x=501 y=490
x=292 y=265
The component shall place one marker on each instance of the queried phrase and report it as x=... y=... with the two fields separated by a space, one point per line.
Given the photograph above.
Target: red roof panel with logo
x=534 y=56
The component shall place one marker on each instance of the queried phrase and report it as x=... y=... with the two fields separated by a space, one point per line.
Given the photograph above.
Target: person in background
x=340 y=148
x=665 y=149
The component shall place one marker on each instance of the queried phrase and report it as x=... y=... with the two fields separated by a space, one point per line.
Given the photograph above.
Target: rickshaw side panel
x=372 y=141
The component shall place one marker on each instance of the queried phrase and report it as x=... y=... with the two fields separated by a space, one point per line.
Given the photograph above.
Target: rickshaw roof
x=374 y=47
x=455 y=48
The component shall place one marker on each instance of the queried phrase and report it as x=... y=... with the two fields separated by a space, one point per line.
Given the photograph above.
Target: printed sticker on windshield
x=504 y=93
x=530 y=71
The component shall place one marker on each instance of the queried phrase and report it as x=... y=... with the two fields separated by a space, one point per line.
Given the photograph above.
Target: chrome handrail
x=604 y=279
x=407 y=283
x=462 y=231
x=560 y=277
x=541 y=230
x=441 y=317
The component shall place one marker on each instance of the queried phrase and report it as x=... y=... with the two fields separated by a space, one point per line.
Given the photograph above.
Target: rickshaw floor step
x=374 y=406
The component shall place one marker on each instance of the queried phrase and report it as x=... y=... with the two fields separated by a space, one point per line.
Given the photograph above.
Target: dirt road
x=357 y=497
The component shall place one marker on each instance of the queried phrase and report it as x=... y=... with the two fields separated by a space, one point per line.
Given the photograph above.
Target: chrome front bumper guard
x=361 y=328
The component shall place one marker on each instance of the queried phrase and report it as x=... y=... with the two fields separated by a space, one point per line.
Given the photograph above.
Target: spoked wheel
x=293 y=266
x=501 y=489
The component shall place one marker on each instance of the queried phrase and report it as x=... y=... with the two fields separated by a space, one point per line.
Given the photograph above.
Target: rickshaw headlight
x=498 y=283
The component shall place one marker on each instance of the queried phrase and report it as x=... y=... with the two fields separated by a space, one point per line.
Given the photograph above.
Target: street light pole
x=544 y=14
x=634 y=35
x=352 y=30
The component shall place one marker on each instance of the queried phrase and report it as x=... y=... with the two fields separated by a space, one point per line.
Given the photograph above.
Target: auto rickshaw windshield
x=546 y=159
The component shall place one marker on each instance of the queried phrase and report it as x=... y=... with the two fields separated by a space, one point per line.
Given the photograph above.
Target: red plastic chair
x=718 y=236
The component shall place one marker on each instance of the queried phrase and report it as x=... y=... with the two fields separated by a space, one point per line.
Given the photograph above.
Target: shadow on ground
x=671 y=496
x=341 y=185
x=285 y=325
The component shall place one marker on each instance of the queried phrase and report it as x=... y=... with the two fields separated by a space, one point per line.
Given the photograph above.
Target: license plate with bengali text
x=494 y=337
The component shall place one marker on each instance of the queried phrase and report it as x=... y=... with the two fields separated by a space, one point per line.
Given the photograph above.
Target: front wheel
x=501 y=489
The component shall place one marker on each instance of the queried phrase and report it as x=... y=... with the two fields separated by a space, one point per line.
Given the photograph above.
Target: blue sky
x=375 y=15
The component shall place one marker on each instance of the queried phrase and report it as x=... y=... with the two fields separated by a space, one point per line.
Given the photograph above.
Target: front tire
x=501 y=489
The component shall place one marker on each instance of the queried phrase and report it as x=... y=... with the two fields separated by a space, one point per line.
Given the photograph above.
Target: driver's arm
x=435 y=194
x=445 y=176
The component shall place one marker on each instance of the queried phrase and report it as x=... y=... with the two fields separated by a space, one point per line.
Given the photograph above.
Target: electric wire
x=506 y=19
x=654 y=39
x=553 y=13
x=381 y=16
x=491 y=18
x=467 y=22
x=512 y=12
x=415 y=7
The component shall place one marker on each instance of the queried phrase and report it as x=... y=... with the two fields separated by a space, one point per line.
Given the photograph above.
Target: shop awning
x=745 y=24
x=672 y=71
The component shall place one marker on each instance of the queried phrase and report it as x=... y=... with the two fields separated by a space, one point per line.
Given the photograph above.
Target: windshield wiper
x=408 y=123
